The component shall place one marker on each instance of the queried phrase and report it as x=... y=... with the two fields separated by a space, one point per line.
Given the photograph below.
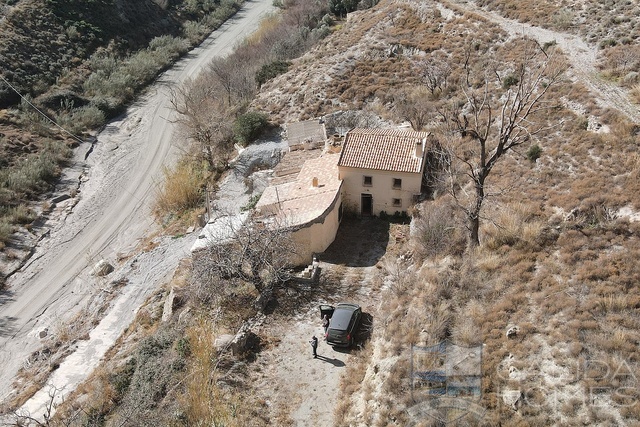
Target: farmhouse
x=382 y=170
x=377 y=170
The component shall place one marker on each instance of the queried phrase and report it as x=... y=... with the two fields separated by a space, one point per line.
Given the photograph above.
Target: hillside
x=544 y=310
x=43 y=41
x=559 y=234
x=75 y=64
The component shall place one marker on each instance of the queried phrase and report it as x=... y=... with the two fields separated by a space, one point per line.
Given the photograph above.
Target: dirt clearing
x=298 y=389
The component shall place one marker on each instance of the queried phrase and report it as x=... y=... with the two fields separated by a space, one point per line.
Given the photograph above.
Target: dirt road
x=110 y=219
x=582 y=58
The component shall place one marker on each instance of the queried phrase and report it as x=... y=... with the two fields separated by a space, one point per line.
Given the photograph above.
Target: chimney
x=420 y=147
x=314 y=182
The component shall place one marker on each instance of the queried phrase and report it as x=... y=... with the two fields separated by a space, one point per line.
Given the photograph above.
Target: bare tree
x=435 y=74
x=235 y=77
x=254 y=253
x=489 y=124
x=205 y=120
x=46 y=419
x=414 y=105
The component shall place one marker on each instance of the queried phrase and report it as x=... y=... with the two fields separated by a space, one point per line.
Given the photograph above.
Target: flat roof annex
x=306 y=131
x=300 y=202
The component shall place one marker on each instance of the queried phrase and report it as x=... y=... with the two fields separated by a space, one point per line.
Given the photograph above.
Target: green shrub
x=81 y=119
x=20 y=214
x=183 y=347
x=36 y=171
x=121 y=380
x=6 y=229
x=509 y=81
x=534 y=152
x=607 y=43
x=248 y=127
x=342 y=7
x=271 y=70
x=253 y=201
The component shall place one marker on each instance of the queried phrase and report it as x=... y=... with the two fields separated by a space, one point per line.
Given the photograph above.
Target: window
x=397 y=183
x=367 y=181
x=397 y=202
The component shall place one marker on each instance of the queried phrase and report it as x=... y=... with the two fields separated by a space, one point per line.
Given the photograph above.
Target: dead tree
x=435 y=75
x=252 y=253
x=205 y=121
x=489 y=123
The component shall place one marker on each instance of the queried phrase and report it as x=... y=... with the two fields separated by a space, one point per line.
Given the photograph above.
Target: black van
x=343 y=323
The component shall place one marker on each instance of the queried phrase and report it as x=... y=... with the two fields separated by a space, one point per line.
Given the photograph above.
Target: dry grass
x=351 y=386
x=182 y=189
x=202 y=400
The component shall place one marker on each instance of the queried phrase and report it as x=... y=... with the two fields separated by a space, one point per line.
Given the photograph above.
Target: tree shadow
x=7 y=326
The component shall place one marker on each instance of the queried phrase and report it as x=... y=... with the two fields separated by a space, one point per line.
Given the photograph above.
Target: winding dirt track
x=582 y=57
x=112 y=215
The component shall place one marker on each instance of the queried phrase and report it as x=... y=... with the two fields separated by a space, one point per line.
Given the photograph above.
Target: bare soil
x=298 y=389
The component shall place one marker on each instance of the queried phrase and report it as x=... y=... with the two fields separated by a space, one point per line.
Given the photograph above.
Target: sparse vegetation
x=557 y=263
x=80 y=69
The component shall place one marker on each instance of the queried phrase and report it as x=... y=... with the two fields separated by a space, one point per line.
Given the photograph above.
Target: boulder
x=245 y=342
x=222 y=342
x=102 y=268
x=167 y=309
x=512 y=398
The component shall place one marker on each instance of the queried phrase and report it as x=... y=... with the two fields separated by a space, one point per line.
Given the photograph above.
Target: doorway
x=366 y=204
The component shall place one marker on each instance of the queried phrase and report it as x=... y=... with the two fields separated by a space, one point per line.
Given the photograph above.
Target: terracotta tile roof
x=383 y=149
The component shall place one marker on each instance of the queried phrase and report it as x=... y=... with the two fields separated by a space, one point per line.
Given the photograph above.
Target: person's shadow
x=333 y=361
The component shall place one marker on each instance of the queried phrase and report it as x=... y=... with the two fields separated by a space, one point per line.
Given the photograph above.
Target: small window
x=397 y=202
x=397 y=183
x=368 y=181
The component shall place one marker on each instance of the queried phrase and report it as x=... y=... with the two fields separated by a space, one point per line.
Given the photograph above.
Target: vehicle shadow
x=364 y=331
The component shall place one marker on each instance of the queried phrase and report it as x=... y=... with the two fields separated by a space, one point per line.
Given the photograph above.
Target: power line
x=77 y=138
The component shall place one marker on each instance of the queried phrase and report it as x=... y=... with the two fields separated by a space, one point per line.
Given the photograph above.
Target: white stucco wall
x=381 y=190
x=316 y=237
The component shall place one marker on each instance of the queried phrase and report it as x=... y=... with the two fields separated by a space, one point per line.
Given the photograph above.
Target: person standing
x=325 y=324
x=314 y=346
